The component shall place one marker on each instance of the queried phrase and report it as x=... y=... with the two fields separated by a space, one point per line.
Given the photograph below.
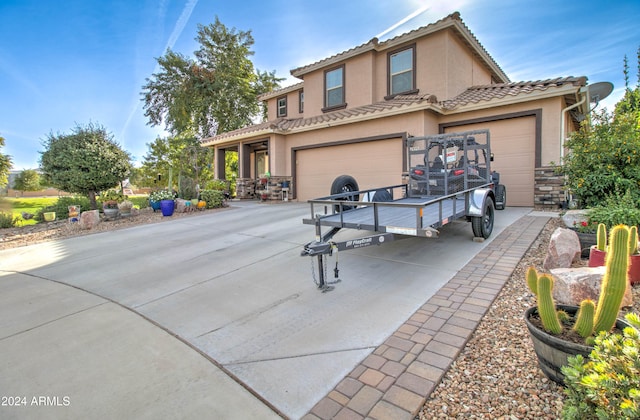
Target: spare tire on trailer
x=345 y=184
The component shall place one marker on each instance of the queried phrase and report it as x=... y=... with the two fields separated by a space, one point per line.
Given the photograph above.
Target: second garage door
x=513 y=145
x=372 y=163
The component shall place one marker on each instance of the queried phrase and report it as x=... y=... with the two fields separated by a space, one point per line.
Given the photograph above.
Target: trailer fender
x=477 y=201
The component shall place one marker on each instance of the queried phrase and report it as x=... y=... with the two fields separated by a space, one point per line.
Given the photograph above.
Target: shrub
x=61 y=207
x=603 y=159
x=617 y=209
x=187 y=188
x=214 y=198
x=112 y=195
x=607 y=386
x=7 y=220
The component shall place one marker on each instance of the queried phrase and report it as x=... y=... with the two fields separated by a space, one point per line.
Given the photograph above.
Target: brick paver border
x=396 y=379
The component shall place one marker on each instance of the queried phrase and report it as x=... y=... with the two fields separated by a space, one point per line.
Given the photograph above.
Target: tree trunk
x=92 y=200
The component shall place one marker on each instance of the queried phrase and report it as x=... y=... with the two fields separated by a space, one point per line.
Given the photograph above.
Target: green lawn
x=29 y=205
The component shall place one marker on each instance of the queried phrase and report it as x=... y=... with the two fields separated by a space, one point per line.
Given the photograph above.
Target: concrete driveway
x=214 y=316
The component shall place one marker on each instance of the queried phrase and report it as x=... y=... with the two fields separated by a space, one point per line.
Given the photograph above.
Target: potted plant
x=598 y=252
x=110 y=209
x=560 y=331
x=157 y=196
x=165 y=198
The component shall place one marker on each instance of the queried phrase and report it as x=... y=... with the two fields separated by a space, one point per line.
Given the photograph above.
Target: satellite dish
x=599 y=91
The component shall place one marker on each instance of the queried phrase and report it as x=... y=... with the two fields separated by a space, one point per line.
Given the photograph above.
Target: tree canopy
x=214 y=92
x=86 y=161
x=5 y=165
x=27 y=180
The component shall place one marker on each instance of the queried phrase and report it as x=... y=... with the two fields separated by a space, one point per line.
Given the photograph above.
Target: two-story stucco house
x=351 y=113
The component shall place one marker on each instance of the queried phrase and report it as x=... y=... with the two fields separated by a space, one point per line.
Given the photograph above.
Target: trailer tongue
x=448 y=178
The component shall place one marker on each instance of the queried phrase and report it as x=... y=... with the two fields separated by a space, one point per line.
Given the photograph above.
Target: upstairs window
x=334 y=88
x=402 y=71
x=301 y=101
x=282 y=106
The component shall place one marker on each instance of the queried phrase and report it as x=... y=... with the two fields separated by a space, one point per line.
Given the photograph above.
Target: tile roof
x=453 y=20
x=285 y=124
x=281 y=91
x=472 y=95
x=476 y=94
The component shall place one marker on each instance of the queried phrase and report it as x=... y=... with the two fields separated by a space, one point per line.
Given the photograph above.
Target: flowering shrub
x=607 y=386
x=585 y=227
x=161 y=195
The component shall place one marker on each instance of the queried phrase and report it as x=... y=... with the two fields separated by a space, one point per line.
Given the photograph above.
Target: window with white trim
x=401 y=71
x=282 y=106
x=334 y=88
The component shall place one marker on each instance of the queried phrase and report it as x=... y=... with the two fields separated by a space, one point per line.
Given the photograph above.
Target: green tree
x=86 y=161
x=5 y=165
x=180 y=155
x=27 y=180
x=214 y=93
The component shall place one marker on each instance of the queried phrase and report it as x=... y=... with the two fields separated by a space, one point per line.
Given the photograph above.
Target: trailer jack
x=324 y=247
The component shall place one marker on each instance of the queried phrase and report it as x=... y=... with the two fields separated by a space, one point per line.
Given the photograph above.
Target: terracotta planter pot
x=598 y=258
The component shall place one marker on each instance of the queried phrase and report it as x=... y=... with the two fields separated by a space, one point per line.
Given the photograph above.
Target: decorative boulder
x=564 y=249
x=181 y=205
x=573 y=285
x=89 y=219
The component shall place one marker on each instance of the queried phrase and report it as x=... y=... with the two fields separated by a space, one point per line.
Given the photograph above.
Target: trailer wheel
x=483 y=226
x=345 y=184
x=382 y=195
x=501 y=197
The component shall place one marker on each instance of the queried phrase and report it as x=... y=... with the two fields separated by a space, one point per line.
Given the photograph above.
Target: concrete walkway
x=88 y=332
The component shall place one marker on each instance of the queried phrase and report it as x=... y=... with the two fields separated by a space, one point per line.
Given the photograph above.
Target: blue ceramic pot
x=155 y=205
x=167 y=207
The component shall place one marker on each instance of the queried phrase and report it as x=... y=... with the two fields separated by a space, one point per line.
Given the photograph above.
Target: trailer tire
x=501 y=197
x=382 y=195
x=483 y=225
x=343 y=184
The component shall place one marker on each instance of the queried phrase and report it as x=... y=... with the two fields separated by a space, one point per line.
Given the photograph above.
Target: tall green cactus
x=614 y=282
x=546 y=305
x=633 y=240
x=584 y=321
x=601 y=237
x=532 y=280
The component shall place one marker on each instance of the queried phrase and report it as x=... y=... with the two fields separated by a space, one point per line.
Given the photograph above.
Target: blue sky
x=69 y=62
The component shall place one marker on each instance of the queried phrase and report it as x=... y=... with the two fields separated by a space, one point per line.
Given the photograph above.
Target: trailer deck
x=413 y=216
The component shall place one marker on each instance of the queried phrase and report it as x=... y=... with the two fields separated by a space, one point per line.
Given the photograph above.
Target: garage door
x=373 y=164
x=513 y=146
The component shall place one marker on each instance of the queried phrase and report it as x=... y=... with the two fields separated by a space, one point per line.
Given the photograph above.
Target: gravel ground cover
x=497 y=376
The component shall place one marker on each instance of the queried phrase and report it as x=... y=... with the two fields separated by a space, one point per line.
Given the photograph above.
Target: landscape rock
x=572 y=218
x=564 y=249
x=181 y=206
x=573 y=285
x=89 y=219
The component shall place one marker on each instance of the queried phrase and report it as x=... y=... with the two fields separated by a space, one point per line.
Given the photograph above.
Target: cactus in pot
x=590 y=319
x=601 y=237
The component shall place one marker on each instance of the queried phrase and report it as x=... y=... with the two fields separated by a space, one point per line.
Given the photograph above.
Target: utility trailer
x=448 y=177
